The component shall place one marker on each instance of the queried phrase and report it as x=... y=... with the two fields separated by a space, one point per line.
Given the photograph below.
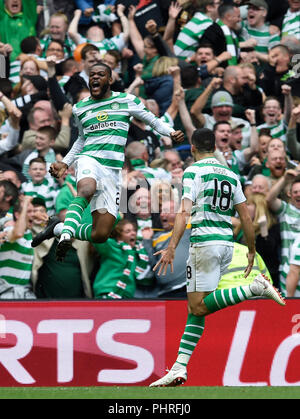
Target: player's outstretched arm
x=168 y=254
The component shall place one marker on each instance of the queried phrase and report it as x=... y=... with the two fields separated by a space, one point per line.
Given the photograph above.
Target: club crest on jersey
x=102 y=116
x=115 y=106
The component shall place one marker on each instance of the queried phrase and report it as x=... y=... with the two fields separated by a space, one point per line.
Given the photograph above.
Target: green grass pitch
x=119 y=393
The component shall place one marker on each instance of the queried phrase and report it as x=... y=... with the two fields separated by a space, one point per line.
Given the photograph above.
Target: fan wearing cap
x=256 y=27
x=222 y=108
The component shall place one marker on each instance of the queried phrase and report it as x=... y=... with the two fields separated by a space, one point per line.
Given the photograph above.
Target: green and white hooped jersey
x=16 y=260
x=291 y=25
x=46 y=190
x=295 y=252
x=214 y=190
x=289 y=219
x=103 y=127
x=277 y=131
x=115 y=43
x=262 y=35
x=188 y=39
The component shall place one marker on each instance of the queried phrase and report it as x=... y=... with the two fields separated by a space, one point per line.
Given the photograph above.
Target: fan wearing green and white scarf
x=123 y=262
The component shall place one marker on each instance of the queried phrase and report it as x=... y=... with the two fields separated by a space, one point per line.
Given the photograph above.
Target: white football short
x=109 y=184
x=206 y=265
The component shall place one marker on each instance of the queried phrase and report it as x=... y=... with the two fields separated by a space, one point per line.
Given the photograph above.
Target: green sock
x=220 y=299
x=193 y=331
x=84 y=232
x=74 y=214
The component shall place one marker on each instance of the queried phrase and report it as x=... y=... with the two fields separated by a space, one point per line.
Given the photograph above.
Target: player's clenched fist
x=57 y=169
x=177 y=136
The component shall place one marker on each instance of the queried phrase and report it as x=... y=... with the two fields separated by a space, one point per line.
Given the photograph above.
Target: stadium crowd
x=230 y=66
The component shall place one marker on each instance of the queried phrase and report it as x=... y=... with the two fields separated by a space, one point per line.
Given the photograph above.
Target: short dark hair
x=39 y=159
x=282 y=47
x=29 y=44
x=6 y=87
x=295 y=180
x=189 y=76
x=10 y=190
x=205 y=45
x=57 y=41
x=48 y=130
x=265 y=131
x=204 y=140
x=86 y=49
x=225 y=8
x=115 y=53
x=215 y=127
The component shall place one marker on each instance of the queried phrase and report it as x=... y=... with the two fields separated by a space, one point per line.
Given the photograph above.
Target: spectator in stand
x=17 y=21
x=9 y=140
x=244 y=94
x=123 y=262
x=89 y=57
x=30 y=47
x=278 y=73
x=288 y=214
x=70 y=279
x=56 y=47
x=86 y=8
x=41 y=116
x=291 y=21
x=16 y=254
x=293 y=276
x=207 y=64
x=149 y=50
x=222 y=34
x=267 y=229
x=256 y=27
x=40 y=186
x=221 y=107
x=58 y=27
x=113 y=60
x=137 y=152
x=190 y=36
x=47 y=8
x=95 y=34
x=292 y=143
x=140 y=211
x=272 y=114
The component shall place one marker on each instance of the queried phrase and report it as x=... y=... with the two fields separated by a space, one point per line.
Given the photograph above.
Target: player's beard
x=102 y=93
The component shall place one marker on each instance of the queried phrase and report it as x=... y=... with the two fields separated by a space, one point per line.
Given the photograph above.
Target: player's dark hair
x=204 y=140
x=102 y=65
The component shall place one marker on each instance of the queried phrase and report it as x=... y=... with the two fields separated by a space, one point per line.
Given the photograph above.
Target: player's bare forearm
x=168 y=254
x=179 y=229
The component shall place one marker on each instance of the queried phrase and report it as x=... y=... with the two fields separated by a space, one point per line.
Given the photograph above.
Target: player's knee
x=86 y=190
x=198 y=308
